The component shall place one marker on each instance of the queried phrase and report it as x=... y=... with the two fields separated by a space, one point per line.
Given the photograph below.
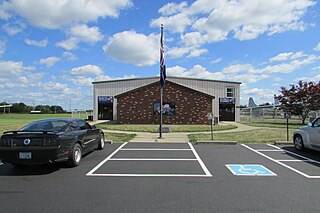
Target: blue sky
x=51 y=51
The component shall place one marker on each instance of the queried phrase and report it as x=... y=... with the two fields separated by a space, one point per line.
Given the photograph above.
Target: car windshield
x=55 y=126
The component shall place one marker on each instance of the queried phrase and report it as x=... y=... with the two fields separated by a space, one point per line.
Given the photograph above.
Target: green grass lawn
x=119 y=137
x=273 y=125
x=263 y=135
x=154 y=128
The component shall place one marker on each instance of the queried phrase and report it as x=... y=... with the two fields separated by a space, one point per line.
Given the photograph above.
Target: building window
x=230 y=92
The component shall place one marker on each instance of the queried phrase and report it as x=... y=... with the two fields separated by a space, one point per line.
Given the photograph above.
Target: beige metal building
x=225 y=101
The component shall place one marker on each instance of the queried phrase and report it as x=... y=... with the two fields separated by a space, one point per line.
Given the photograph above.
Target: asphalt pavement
x=168 y=177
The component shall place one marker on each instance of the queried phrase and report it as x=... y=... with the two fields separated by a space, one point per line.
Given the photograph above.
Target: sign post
x=210 y=117
x=287 y=115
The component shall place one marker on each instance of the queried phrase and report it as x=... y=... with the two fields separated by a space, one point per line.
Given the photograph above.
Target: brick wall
x=191 y=106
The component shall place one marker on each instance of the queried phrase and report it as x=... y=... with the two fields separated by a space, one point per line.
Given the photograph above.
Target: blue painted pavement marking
x=249 y=170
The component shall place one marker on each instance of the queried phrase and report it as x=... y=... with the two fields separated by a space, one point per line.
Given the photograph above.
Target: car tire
x=75 y=155
x=101 y=142
x=298 y=142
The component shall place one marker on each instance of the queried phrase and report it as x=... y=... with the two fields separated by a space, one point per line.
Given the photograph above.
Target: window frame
x=232 y=93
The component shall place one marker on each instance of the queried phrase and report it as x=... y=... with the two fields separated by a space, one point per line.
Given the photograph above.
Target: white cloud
x=13 y=28
x=68 y=44
x=243 y=20
x=172 y=8
x=193 y=39
x=4 y=10
x=206 y=21
x=317 y=48
x=86 y=70
x=42 y=43
x=50 y=61
x=13 y=74
x=247 y=73
x=177 y=52
x=8 y=68
x=248 y=21
x=84 y=33
x=259 y=95
x=315 y=78
x=197 y=52
x=59 y=13
x=69 y=56
x=134 y=48
x=215 y=61
x=277 y=79
x=287 y=67
x=176 y=23
x=80 y=33
x=197 y=71
x=288 y=56
x=237 y=73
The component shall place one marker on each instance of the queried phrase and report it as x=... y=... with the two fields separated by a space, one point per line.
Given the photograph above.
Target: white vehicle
x=308 y=136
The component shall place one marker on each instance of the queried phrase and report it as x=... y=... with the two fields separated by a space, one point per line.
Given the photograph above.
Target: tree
x=20 y=108
x=300 y=99
x=45 y=109
x=56 y=109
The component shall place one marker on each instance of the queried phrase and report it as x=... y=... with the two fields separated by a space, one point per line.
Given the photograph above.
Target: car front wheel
x=75 y=155
x=298 y=142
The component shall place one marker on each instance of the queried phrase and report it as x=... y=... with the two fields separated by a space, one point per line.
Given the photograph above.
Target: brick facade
x=136 y=106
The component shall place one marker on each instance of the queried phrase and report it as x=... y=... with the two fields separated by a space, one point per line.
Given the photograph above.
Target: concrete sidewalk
x=178 y=137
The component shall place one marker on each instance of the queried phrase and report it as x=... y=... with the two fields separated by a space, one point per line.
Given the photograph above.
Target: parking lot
x=170 y=177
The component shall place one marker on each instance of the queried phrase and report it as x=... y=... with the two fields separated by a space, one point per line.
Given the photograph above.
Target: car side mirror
x=93 y=127
x=310 y=124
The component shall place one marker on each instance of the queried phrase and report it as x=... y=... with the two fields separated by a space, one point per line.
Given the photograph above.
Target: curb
x=283 y=143
x=218 y=142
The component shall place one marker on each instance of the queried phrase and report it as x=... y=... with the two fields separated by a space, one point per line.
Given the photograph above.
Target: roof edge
x=172 y=77
x=140 y=88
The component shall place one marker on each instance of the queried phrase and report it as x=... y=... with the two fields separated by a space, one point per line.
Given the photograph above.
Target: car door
x=314 y=132
x=89 y=140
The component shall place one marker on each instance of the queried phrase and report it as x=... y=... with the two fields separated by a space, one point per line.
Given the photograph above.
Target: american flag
x=162 y=65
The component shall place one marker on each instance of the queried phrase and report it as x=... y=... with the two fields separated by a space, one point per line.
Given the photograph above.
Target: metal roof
x=157 y=77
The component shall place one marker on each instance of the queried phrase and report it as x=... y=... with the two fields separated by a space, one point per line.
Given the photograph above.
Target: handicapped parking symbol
x=249 y=170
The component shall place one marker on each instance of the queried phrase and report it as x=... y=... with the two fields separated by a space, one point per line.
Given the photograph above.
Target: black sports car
x=50 y=140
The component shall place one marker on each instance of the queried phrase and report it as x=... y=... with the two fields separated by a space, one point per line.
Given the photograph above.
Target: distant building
x=185 y=100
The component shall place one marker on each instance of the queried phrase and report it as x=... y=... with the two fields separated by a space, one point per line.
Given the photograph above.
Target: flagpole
x=161 y=110
x=161 y=86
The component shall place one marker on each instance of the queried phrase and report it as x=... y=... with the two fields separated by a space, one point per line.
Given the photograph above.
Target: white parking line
x=131 y=149
x=200 y=161
x=285 y=165
x=109 y=158
x=151 y=159
x=105 y=160
x=146 y=175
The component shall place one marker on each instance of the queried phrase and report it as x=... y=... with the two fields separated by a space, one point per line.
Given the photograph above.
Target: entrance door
x=227 y=109
x=105 y=108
